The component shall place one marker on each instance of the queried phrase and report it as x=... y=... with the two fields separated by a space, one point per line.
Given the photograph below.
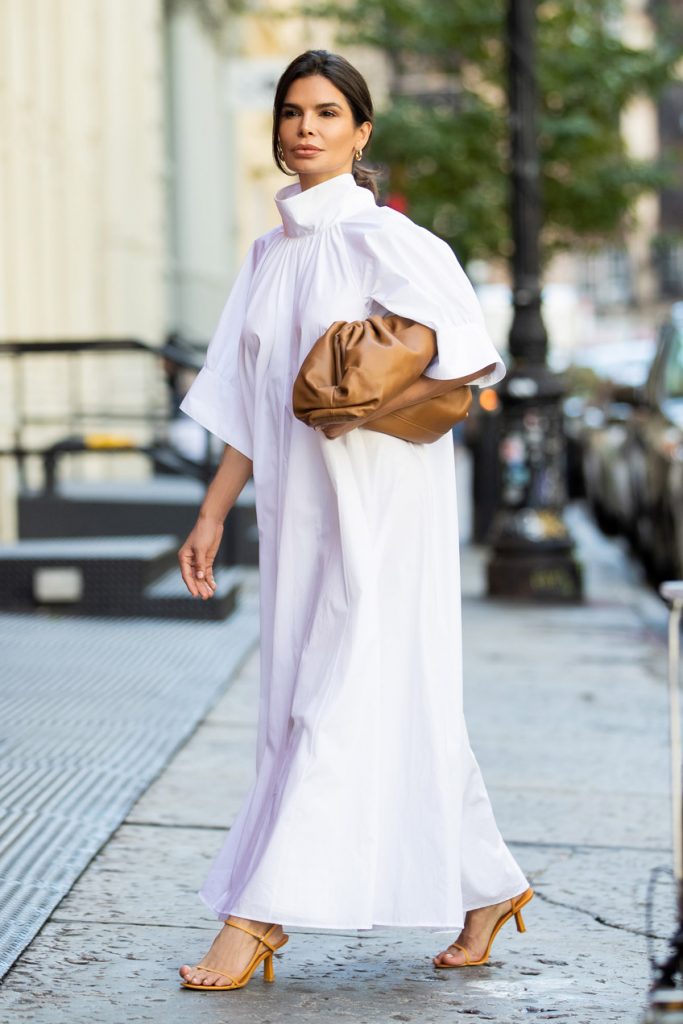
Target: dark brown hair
x=348 y=80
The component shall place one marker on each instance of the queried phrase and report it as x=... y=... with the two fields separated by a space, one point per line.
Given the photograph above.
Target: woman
x=368 y=806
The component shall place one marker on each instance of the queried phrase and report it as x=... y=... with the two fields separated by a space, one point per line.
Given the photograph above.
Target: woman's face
x=317 y=132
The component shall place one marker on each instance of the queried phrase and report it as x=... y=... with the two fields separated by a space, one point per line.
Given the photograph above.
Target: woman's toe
x=190 y=975
x=449 y=958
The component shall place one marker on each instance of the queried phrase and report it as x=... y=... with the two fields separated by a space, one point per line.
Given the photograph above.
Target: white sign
x=52 y=584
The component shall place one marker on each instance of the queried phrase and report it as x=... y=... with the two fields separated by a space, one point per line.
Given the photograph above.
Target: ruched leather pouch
x=357 y=366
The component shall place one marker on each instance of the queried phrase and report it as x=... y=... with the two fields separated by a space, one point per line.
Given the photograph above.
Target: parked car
x=656 y=455
x=598 y=424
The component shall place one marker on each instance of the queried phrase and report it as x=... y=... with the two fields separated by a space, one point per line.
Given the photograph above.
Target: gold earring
x=280 y=151
x=359 y=154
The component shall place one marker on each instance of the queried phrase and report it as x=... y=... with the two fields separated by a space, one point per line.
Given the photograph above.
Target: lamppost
x=532 y=550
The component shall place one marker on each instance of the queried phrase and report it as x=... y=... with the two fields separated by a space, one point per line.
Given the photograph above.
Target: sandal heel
x=519 y=921
x=268 y=971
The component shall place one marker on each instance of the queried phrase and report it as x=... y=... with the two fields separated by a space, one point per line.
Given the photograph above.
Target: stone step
x=158 y=505
x=169 y=598
x=127 y=577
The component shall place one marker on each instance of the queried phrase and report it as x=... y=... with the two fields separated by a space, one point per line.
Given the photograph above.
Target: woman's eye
x=288 y=113
x=330 y=112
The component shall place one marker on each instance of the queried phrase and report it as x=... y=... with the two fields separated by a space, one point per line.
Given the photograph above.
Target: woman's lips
x=307 y=151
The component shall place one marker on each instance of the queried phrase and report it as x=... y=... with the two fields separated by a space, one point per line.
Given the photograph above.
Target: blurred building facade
x=82 y=172
x=135 y=170
x=82 y=168
x=647 y=270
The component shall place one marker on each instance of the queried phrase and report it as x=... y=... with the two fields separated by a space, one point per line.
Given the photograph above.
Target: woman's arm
x=420 y=390
x=196 y=556
x=228 y=483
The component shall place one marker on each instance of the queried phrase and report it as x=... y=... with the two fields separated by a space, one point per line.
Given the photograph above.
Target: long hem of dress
x=286 y=920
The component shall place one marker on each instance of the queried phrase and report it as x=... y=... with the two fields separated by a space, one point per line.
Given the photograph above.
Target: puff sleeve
x=221 y=397
x=412 y=272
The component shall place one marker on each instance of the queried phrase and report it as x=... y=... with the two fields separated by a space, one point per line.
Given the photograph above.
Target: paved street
x=93 y=710
x=567 y=713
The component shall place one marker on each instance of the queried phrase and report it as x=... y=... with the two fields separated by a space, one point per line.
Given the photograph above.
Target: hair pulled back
x=350 y=83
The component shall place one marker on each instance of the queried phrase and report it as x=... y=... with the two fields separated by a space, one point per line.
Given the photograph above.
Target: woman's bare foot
x=230 y=952
x=475 y=935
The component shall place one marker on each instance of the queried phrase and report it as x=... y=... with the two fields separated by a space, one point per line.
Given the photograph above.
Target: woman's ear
x=366 y=129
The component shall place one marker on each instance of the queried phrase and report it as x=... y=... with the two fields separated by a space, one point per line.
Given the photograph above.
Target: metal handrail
x=176 y=350
x=183 y=351
x=33 y=346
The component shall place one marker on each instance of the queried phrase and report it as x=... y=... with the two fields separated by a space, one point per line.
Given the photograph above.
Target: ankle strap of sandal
x=262 y=938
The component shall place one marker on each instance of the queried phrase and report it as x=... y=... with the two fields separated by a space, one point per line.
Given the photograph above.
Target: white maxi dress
x=368 y=806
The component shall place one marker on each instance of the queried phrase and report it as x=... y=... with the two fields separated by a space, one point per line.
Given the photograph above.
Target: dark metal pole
x=532 y=554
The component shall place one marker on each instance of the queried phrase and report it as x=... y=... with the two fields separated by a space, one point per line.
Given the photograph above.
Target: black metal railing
x=175 y=355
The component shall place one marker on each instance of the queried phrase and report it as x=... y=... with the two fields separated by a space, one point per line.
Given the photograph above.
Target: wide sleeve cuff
x=462 y=350
x=216 y=404
x=411 y=272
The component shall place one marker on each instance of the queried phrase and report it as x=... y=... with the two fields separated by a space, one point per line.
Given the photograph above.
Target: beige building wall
x=82 y=248
x=81 y=168
x=202 y=187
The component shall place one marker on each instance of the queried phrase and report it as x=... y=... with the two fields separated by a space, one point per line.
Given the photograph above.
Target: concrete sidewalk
x=567 y=713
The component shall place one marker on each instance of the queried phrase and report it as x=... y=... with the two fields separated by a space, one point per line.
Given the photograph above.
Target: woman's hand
x=337 y=429
x=419 y=391
x=197 y=554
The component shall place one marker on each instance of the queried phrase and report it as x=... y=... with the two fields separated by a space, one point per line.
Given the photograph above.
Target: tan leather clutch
x=357 y=366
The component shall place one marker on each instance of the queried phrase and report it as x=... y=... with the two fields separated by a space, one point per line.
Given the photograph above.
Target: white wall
x=82 y=178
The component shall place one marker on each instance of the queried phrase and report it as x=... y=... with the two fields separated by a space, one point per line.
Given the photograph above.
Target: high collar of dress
x=320 y=206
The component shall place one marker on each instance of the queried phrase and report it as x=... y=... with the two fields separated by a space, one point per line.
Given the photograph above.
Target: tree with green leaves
x=443 y=136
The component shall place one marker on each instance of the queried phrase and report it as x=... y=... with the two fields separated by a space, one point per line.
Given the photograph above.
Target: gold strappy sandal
x=265 y=955
x=517 y=904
